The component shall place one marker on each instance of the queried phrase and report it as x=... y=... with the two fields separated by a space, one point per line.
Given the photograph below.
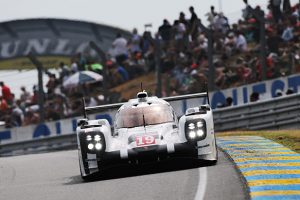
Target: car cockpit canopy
x=144 y=115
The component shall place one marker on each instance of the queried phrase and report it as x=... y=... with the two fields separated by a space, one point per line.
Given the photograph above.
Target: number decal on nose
x=144 y=140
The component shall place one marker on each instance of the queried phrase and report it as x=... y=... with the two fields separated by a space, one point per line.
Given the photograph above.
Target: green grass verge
x=288 y=138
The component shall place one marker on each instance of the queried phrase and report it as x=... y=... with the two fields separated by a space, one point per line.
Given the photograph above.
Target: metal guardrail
x=280 y=113
x=46 y=144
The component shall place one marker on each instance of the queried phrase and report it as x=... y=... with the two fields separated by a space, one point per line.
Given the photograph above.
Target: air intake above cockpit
x=142 y=96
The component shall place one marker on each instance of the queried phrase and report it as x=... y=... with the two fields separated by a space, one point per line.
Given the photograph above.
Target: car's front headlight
x=97 y=138
x=90 y=146
x=98 y=146
x=195 y=129
x=93 y=141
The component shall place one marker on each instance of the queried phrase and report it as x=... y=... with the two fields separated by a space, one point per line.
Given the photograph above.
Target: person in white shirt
x=119 y=45
x=179 y=30
x=74 y=66
x=120 y=49
x=241 y=43
x=25 y=96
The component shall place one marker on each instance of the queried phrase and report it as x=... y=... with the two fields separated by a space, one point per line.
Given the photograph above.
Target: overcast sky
x=125 y=14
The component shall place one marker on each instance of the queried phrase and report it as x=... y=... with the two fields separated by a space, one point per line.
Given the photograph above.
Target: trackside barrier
x=55 y=143
x=279 y=113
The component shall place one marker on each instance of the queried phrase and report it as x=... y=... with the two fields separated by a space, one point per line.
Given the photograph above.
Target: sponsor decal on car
x=143 y=140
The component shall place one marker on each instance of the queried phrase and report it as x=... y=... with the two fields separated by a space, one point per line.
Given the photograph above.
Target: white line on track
x=201 y=184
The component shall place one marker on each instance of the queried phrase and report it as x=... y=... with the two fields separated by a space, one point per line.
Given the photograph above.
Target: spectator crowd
x=181 y=49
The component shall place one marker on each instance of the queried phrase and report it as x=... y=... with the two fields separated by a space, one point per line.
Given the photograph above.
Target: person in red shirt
x=6 y=93
x=3 y=105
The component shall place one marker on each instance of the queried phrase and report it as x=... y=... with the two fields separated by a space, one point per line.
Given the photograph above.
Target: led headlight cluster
x=94 y=142
x=195 y=129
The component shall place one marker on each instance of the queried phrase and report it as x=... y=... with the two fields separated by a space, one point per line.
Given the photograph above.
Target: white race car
x=146 y=129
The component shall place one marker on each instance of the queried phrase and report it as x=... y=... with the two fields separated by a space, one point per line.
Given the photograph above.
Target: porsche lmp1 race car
x=146 y=129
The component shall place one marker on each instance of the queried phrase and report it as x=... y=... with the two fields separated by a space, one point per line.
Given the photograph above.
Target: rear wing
x=118 y=105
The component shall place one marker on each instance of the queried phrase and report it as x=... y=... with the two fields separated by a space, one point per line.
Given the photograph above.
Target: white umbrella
x=82 y=77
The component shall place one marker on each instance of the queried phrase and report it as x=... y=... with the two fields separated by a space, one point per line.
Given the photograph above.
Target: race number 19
x=144 y=140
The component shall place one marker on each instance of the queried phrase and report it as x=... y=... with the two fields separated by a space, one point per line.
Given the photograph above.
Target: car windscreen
x=143 y=116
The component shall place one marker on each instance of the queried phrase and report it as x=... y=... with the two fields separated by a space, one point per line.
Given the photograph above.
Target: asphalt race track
x=56 y=176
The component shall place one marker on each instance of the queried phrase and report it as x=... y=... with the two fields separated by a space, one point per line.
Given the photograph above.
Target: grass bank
x=288 y=138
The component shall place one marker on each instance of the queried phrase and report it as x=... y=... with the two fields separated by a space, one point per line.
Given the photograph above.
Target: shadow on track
x=126 y=171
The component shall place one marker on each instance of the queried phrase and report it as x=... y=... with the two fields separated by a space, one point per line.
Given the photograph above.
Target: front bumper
x=148 y=154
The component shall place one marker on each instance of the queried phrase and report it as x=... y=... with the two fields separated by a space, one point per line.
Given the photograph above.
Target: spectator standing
x=287 y=7
x=276 y=11
x=147 y=44
x=194 y=16
x=179 y=29
x=224 y=23
x=211 y=15
x=120 y=51
x=135 y=42
x=182 y=19
x=6 y=93
x=25 y=95
x=165 y=32
x=212 y=11
x=194 y=22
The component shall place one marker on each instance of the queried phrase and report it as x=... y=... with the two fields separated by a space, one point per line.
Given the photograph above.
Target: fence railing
x=280 y=113
x=55 y=143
